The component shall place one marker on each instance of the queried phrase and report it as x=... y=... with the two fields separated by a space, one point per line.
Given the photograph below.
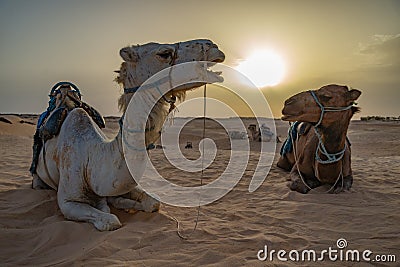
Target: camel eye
x=325 y=98
x=165 y=54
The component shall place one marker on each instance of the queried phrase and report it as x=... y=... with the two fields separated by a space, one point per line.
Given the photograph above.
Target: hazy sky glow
x=346 y=42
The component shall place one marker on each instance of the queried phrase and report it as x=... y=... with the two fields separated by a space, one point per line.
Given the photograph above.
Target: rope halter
x=172 y=100
x=331 y=157
x=326 y=109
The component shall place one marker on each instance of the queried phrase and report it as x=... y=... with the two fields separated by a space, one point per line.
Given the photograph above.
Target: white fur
x=87 y=168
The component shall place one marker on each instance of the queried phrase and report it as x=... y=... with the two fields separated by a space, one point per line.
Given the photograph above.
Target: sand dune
x=230 y=232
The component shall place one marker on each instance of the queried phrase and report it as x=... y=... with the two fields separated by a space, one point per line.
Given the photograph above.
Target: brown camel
x=320 y=152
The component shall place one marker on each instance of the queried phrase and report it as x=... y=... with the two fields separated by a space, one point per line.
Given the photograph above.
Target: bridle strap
x=147 y=86
x=159 y=82
x=326 y=109
x=331 y=157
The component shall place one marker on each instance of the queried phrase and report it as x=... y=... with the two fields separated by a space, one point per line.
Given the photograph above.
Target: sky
x=356 y=43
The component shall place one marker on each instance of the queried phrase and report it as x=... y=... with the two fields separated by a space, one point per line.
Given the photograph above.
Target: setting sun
x=263 y=68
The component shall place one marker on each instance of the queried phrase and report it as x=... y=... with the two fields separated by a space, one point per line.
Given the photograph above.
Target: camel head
x=304 y=107
x=143 y=61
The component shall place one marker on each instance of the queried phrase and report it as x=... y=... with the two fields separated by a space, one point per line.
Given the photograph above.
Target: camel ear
x=353 y=94
x=128 y=54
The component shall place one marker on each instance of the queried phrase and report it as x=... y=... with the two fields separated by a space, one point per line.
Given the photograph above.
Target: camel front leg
x=347 y=182
x=149 y=204
x=343 y=185
x=124 y=203
x=284 y=163
x=38 y=183
x=103 y=205
x=347 y=172
x=136 y=199
x=79 y=211
x=297 y=183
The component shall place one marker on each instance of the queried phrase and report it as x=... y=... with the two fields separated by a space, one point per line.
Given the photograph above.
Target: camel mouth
x=218 y=60
x=216 y=75
x=215 y=61
x=209 y=77
x=287 y=115
x=287 y=118
x=290 y=110
x=216 y=56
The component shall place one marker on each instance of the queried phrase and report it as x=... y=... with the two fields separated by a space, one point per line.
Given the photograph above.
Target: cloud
x=383 y=50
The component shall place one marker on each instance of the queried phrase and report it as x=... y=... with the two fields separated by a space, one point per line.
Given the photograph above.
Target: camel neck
x=139 y=123
x=334 y=135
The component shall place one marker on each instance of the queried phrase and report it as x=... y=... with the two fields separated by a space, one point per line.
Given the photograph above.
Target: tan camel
x=263 y=134
x=87 y=169
x=320 y=151
x=254 y=134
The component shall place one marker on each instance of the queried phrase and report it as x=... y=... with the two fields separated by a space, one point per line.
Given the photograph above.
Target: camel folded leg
x=124 y=203
x=38 y=183
x=36 y=148
x=347 y=182
x=297 y=184
x=344 y=185
x=103 y=205
x=284 y=163
x=149 y=204
x=136 y=199
x=80 y=211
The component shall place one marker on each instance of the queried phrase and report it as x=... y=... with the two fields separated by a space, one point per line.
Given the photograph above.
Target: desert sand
x=230 y=231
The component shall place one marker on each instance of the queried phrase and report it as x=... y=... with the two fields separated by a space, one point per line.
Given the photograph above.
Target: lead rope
x=178 y=224
x=315 y=171
x=295 y=154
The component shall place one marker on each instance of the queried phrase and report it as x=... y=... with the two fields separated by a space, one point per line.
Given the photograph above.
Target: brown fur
x=333 y=129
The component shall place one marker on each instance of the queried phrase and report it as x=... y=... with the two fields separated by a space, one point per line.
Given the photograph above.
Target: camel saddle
x=297 y=128
x=62 y=101
x=64 y=97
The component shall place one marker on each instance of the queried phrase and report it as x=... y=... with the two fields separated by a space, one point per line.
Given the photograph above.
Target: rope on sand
x=178 y=224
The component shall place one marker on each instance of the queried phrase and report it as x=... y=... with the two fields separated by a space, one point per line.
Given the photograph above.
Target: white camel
x=87 y=169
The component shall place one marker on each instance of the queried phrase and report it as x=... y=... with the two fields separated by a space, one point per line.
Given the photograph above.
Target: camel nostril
x=289 y=101
x=216 y=56
x=218 y=60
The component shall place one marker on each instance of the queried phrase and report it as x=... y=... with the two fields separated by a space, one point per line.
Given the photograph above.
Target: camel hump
x=64 y=100
x=80 y=123
x=78 y=118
